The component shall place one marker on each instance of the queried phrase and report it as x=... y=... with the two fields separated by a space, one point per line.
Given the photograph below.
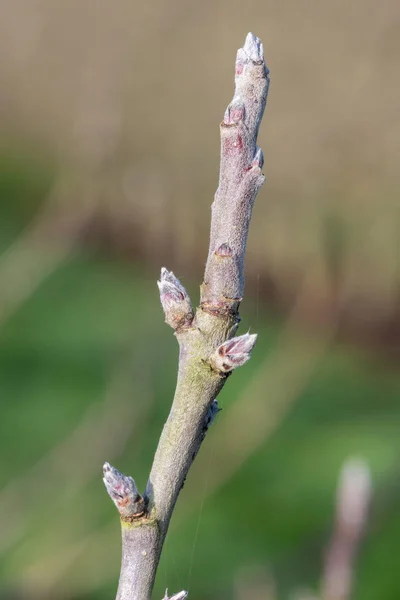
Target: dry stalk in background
x=208 y=349
x=352 y=504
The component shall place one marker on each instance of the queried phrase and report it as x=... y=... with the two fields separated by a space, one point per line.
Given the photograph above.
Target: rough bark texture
x=206 y=356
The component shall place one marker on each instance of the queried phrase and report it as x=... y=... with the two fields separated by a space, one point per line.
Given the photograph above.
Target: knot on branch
x=233 y=353
x=124 y=493
x=175 y=301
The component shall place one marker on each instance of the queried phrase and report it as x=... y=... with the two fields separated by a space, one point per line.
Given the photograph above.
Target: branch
x=209 y=352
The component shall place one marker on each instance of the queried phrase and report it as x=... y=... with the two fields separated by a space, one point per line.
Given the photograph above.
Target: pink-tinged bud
x=175 y=301
x=233 y=353
x=123 y=492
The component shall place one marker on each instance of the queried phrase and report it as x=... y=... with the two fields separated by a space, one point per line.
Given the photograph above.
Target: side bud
x=179 y=596
x=233 y=353
x=123 y=492
x=175 y=301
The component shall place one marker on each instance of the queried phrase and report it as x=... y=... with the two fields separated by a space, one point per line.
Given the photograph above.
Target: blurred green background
x=109 y=150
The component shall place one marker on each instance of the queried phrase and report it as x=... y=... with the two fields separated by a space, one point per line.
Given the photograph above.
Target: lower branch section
x=141 y=547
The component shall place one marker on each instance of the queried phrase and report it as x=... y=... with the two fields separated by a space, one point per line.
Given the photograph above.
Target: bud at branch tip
x=252 y=51
x=254 y=48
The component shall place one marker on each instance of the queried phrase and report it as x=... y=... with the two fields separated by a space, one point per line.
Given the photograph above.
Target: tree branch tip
x=253 y=47
x=233 y=353
x=252 y=51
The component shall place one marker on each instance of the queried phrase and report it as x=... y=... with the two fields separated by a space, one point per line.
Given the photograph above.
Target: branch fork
x=206 y=337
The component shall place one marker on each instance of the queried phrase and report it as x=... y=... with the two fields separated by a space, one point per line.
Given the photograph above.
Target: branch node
x=227 y=307
x=123 y=492
x=175 y=301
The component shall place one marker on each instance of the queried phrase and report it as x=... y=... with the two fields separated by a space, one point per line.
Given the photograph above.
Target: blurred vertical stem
x=352 y=505
x=208 y=349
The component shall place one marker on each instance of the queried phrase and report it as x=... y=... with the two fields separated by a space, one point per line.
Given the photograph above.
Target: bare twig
x=208 y=349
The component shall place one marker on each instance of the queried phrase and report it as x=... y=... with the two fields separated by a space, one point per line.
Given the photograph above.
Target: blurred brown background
x=109 y=151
